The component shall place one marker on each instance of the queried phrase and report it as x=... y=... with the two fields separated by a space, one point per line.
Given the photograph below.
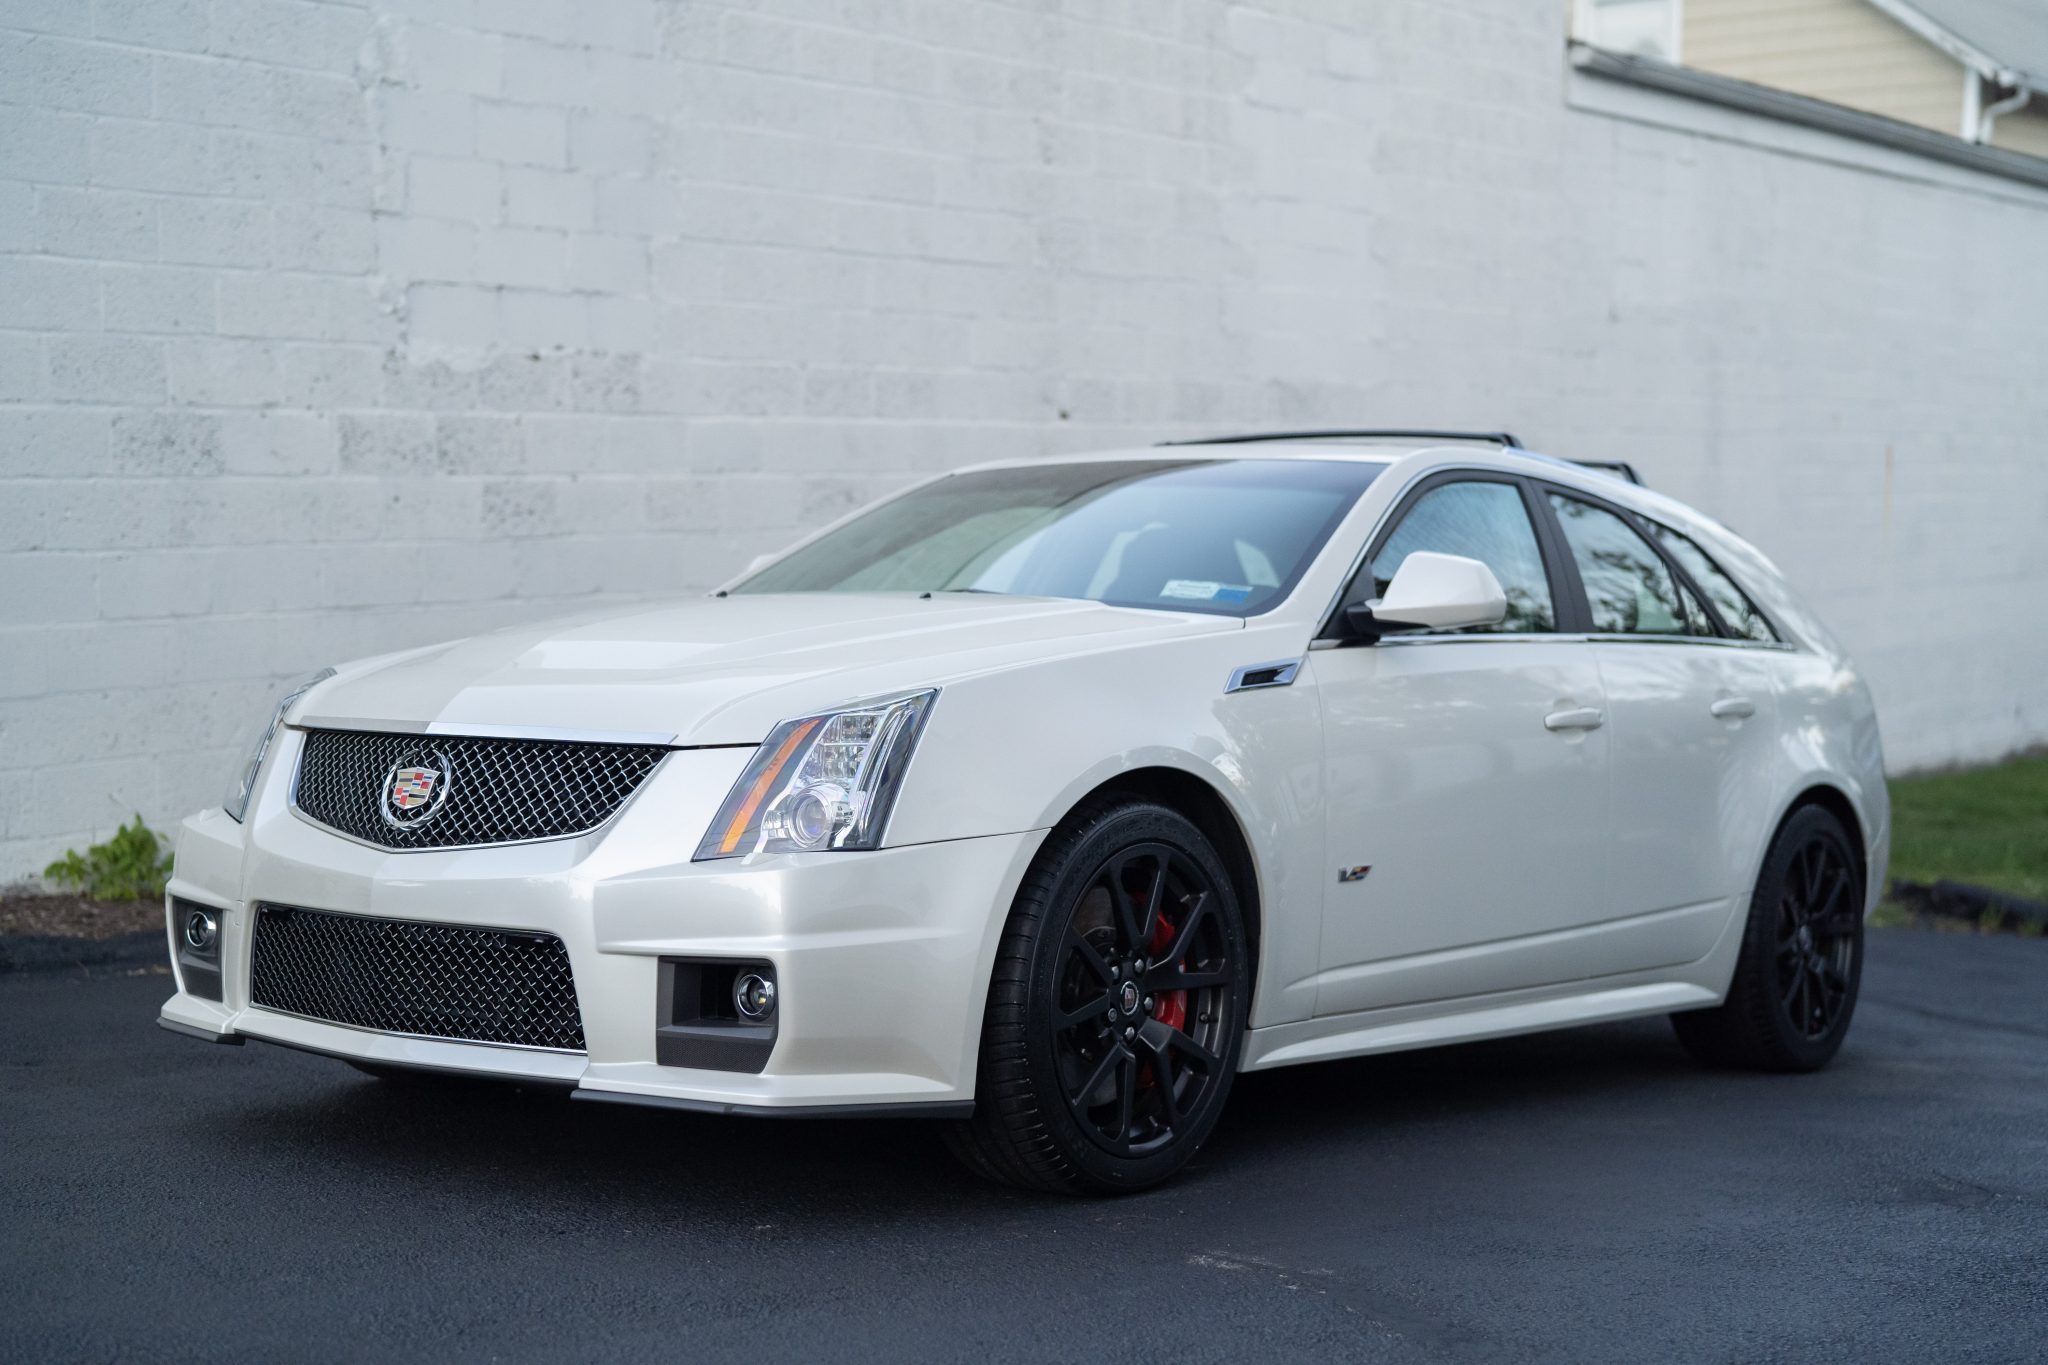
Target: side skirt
x=1410 y=1026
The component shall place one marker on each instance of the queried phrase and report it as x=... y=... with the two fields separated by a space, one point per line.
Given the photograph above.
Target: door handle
x=1732 y=708
x=1577 y=718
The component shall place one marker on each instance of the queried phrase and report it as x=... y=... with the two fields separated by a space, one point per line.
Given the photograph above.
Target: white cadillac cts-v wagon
x=1045 y=797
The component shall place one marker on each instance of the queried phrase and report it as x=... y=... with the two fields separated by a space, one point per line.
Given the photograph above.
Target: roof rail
x=1621 y=469
x=1499 y=438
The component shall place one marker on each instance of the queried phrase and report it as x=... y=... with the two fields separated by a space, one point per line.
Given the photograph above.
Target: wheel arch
x=1210 y=812
x=1835 y=801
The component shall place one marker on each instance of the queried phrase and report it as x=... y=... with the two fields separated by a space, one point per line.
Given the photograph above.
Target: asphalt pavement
x=1583 y=1196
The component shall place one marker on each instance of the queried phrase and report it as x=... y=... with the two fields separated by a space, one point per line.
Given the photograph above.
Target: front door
x=1468 y=773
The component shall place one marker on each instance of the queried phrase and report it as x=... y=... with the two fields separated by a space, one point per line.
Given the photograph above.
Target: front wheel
x=1801 y=961
x=1116 y=1008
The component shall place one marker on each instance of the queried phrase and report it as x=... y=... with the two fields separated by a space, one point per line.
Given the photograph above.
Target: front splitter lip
x=926 y=1109
x=900 y=1109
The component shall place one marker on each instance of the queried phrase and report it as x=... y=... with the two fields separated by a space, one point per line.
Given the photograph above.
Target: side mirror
x=1433 y=592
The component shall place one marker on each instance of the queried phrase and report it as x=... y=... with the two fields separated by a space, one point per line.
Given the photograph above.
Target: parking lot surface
x=1582 y=1196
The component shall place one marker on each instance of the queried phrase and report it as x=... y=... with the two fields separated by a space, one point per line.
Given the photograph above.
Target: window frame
x=1567 y=600
x=1645 y=528
x=1778 y=640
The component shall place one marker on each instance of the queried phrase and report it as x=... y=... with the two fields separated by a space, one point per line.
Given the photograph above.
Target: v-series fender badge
x=1352 y=874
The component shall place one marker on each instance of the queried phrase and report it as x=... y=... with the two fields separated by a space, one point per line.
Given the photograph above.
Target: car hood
x=725 y=670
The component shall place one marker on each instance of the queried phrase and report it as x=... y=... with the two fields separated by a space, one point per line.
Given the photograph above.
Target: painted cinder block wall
x=333 y=328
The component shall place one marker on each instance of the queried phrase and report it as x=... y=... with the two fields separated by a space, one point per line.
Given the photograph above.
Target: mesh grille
x=485 y=791
x=433 y=980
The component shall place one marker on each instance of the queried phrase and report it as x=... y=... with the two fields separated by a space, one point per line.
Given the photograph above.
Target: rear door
x=1466 y=774
x=1691 y=715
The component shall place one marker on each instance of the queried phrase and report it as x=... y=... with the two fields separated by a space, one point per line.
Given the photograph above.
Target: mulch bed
x=41 y=932
x=1985 y=908
x=77 y=916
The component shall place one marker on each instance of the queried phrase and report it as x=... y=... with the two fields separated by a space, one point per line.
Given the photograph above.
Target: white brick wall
x=330 y=328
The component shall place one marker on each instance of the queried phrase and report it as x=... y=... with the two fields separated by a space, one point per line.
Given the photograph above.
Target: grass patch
x=1984 y=826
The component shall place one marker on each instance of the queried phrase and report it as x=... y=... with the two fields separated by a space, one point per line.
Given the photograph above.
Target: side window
x=1481 y=520
x=1629 y=588
x=1736 y=609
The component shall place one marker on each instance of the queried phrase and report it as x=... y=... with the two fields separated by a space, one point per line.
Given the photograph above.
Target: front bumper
x=882 y=958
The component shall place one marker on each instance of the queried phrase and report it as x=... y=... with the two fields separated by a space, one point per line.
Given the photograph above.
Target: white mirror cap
x=760 y=562
x=1442 y=592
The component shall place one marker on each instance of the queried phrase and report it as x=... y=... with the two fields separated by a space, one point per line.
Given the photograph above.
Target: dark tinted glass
x=1734 y=605
x=1629 y=588
x=1484 y=521
x=1229 y=537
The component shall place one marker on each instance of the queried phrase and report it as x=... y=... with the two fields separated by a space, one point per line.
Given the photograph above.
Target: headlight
x=821 y=782
x=236 y=802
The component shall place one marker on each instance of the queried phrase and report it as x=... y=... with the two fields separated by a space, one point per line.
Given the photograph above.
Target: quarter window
x=1629 y=588
x=1736 y=609
x=1480 y=520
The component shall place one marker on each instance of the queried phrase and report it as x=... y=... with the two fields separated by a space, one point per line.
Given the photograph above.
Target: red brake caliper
x=1173 y=1005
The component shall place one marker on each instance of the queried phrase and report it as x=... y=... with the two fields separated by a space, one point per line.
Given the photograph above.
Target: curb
x=1959 y=900
x=24 y=953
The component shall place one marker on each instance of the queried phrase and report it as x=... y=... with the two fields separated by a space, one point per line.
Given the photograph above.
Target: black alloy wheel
x=1116 y=1009
x=1818 y=938
x=1140 y=999
x=1801 y=962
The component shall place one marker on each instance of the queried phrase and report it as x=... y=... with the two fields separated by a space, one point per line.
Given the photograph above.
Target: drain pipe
x=1987 y=117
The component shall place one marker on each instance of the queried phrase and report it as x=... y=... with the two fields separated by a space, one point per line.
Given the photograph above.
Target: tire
x=1801 y=962
x=1127 y=909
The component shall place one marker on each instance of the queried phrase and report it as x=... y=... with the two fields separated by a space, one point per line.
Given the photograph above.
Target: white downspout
x=1988 y=117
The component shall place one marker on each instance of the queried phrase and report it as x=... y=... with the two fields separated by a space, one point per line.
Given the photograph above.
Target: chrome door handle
x=1732 y=708
x=1577 y=718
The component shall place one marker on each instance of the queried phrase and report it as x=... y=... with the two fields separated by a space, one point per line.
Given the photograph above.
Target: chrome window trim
x=1712 y=641
x=1555 y=637
x=292 y=804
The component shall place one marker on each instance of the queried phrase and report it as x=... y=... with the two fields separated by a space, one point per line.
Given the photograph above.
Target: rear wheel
x=1115 y=1011
x=1801 y=961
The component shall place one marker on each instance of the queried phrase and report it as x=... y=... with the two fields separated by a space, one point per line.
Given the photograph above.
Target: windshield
x=1222 y=536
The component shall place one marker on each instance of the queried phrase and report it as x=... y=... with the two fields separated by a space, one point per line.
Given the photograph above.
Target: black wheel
x=1115 y=1011
x=1801 y=959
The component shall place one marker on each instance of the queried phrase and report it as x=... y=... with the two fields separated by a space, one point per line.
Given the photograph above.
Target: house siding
x=1843 y=51
x=2023 y=131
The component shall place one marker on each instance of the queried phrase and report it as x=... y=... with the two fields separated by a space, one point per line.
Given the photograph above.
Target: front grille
x=487 y=791
x=431 y=980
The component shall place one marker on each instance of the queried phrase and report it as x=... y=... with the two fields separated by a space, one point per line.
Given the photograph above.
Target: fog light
x=200 y=931
x=753 y=995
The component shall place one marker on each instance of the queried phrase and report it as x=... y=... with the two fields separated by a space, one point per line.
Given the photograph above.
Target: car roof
x=1386 y=451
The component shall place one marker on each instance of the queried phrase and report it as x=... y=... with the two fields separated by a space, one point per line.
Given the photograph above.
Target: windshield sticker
x=1200 y=590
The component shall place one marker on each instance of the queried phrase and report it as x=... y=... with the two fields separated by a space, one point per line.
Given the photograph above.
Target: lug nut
x=1129 y=1034
x=1148 y=1004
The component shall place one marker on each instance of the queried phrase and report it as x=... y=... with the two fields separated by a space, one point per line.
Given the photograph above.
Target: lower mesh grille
x=430 y=980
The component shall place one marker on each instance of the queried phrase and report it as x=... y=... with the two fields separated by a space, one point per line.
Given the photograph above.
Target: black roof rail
x=1620 y=468
x=1507 y=439
x=1499 y=438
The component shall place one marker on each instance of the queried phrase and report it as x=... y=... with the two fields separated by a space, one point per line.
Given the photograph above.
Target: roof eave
x=1959 y=47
